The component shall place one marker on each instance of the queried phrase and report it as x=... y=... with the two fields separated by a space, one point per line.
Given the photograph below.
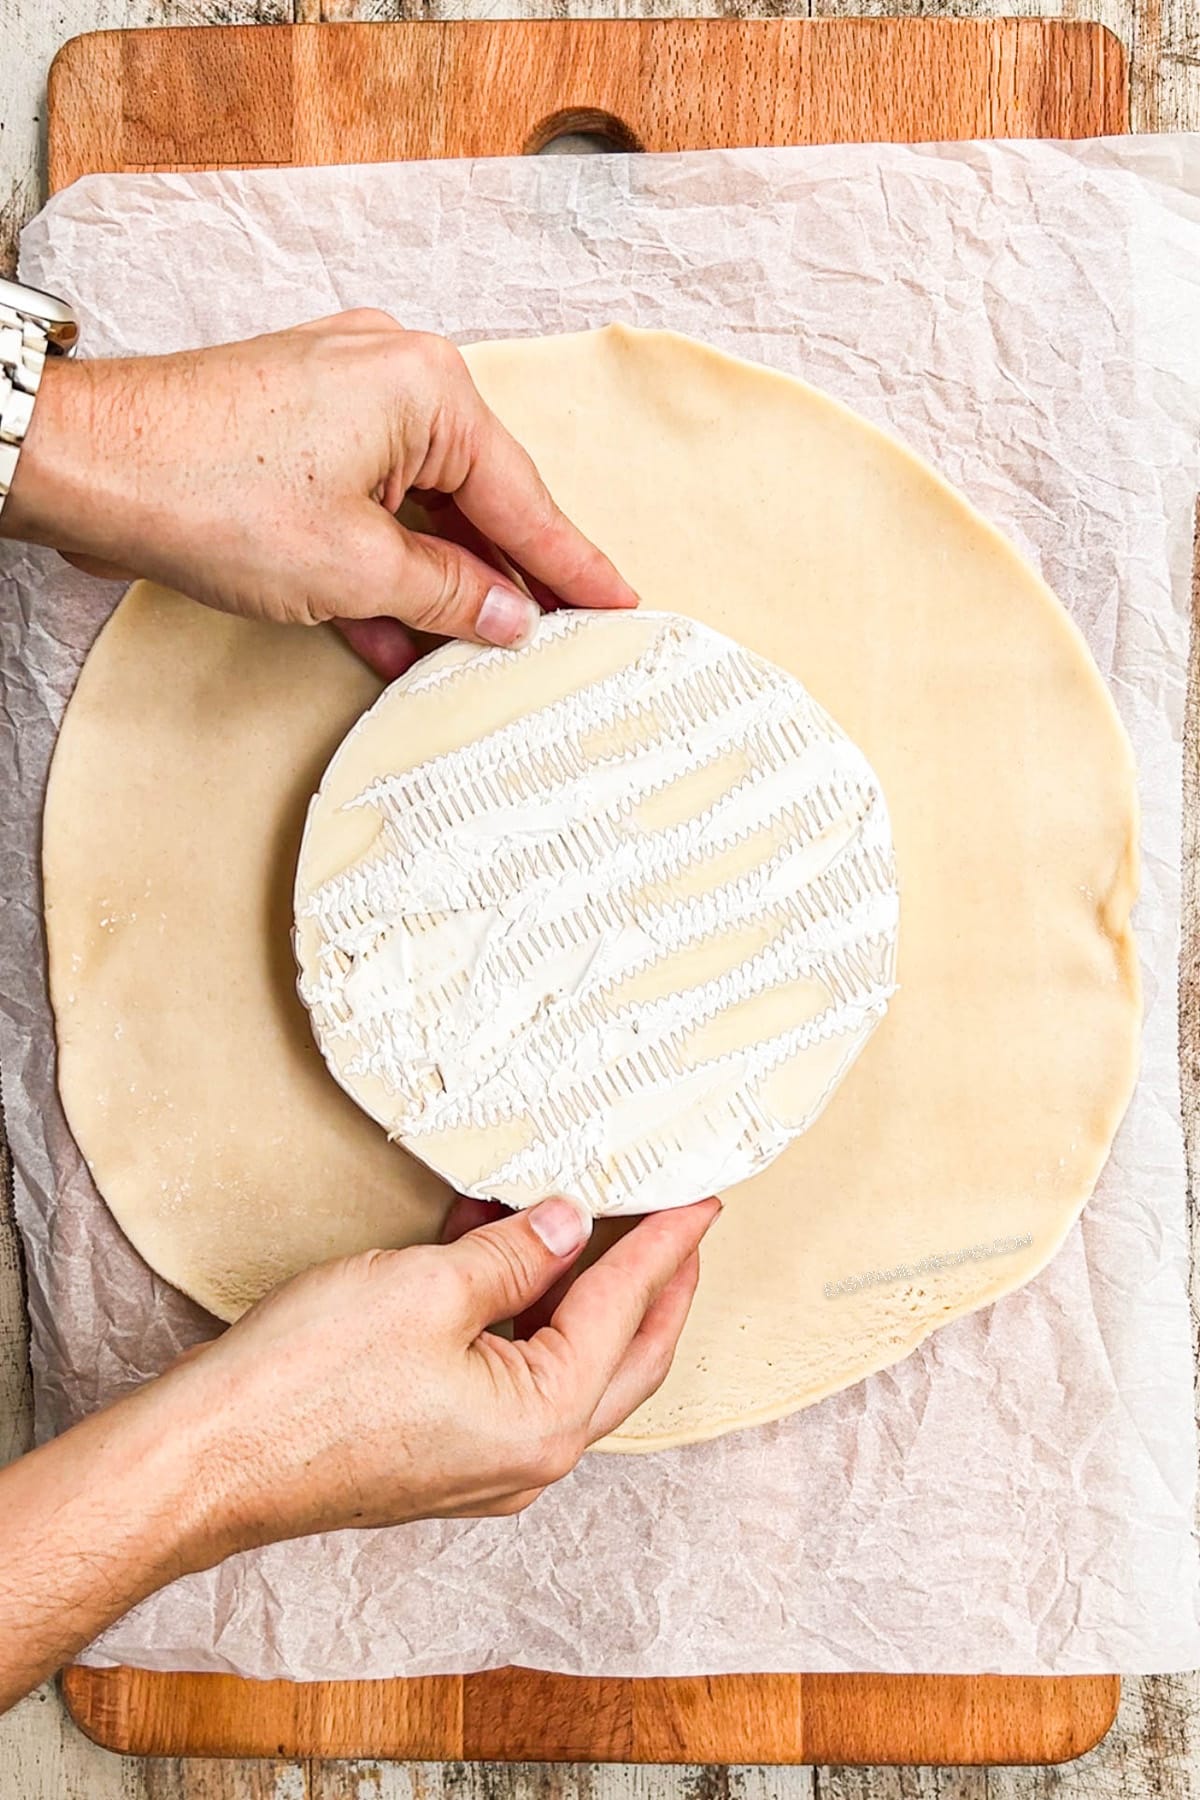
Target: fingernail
x=562 y=1225
x=507 y=618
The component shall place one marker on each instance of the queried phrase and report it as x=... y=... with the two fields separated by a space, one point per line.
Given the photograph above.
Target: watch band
x=24 y=343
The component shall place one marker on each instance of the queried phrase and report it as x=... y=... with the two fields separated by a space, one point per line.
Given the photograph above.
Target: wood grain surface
x=514 y=1715
x=1154 y=1750
x=353 y=93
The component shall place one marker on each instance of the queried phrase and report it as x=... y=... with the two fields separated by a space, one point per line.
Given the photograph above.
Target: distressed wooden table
x=1154 y=1749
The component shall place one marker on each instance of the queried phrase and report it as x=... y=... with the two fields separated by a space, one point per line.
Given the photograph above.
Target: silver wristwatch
x=33 y=326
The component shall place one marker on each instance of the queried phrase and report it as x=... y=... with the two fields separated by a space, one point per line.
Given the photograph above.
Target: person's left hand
x=263 y=478
x=370 y=1391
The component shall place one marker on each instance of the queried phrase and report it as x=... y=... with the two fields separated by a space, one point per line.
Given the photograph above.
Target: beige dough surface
x=185 y=1061
x=980 y=1113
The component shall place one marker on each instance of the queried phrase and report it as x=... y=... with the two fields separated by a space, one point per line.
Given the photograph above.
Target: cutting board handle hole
x=581 y=130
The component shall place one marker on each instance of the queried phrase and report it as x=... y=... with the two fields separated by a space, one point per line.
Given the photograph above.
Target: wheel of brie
x=611 y=915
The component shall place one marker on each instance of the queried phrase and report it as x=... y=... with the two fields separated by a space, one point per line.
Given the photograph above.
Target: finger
x=90 y=565
x=355 y=319
x=545 y=596
x=528 y=1323
x=502 y=1508
x=468 y=1215
x=605 y=1233
x=433 y=586
x=449 y=522
x=507 y=499
x=384 y=645
x=643 y=1368
x=503 y=1267
x=603 y=1310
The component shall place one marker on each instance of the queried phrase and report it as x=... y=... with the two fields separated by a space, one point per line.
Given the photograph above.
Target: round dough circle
x=610 y=915
x=982 y=1112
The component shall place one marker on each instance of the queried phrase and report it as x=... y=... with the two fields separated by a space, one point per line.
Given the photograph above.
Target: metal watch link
x=33 y=326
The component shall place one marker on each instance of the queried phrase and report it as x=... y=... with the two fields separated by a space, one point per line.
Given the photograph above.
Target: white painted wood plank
x=43 y=1757
x=30 y=33
x=207 y=1778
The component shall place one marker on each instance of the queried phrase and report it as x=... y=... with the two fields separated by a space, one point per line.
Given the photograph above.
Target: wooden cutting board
x=255 y=96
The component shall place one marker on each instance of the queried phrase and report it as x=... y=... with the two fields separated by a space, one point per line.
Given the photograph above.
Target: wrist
x=72 y=489
x=46 y=456
x=151 y=1484
x=144 y=1464
x=215 y=1462
x=94 y=1521
x=177 y=1426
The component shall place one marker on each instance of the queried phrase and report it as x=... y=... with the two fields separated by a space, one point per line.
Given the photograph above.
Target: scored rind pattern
x=476 y=972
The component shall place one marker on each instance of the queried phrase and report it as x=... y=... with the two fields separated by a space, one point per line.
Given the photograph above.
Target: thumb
x=507 y=1265
x=440 y=587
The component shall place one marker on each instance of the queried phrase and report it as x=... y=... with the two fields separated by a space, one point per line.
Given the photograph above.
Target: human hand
x=369 y=1391
x=261 y=477
x=365 y=1392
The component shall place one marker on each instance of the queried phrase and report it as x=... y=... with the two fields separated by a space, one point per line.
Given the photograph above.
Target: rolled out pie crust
x=979 y=1116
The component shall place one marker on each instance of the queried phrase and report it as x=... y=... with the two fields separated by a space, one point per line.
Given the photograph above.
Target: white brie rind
x=611 y=915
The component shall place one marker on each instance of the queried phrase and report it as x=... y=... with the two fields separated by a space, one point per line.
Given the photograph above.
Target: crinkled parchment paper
x=1018 y=1495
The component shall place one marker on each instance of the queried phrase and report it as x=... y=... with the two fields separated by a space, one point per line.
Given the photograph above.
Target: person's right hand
x=369 y=1391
